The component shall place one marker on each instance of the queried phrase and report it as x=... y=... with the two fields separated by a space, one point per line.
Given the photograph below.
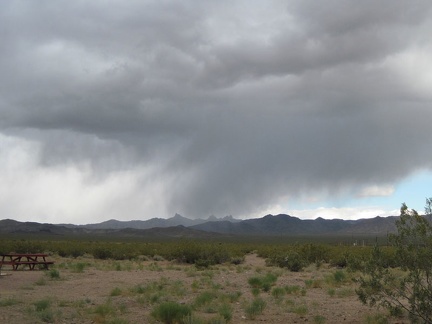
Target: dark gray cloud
x=228 y=107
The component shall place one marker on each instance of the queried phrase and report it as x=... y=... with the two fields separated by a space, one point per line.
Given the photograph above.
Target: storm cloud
x=141 y=109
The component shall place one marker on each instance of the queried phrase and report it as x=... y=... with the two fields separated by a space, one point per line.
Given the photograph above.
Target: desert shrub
x=191 y=319
x=319 y=319
x=54 y=274
x=263 y=282
x=78 y=267
x=42 y=304
x=75 y=251
x=255 y=291
x=27 y=246
x=205 y=298
x=292 y=289
x=46 y=316
x=237 y=260
x=225 y=310
x=376 y=319
x=410 y=290
x=233 y=296
x=105 y=309
x=313 y=283
x=158 y=291
x=43 y=311
x=203 y=263
x=345 y=292
x=278 y=292
x=171 y=312
x=292 y=261
x=337 y=278
x=201 y=254
x=255 y=308
x=101 y=253
x=116 y=292
x=8 y=302
x=314 y=253
x=296 y=257
x=340 y=260
x=300 y=310
x=354 y=258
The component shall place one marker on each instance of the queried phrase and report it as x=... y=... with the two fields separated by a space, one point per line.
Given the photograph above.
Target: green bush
x=78 y=267
x=319 y=319
x=410 y=290
x=263 y=282
x=170 y=312
x=293 y=261
x=104 y=309
x=225 y=310
x=339 y=276
x=102 y=253
x=205 y=298
x=255 y=308
x=292 y=289
x=278 y=292
x=8 y=302
x=116 y=292
x=54 y=274
x=42 y=304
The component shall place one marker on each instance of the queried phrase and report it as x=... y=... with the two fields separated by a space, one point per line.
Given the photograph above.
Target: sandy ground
x=80 y=296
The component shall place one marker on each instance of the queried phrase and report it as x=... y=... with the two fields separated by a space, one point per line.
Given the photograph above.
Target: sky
x=142 y=109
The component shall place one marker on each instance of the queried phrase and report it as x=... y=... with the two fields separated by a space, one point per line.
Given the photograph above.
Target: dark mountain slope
x=269 y=225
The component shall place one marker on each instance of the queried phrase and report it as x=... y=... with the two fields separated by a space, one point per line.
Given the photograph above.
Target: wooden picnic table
x=31 y=260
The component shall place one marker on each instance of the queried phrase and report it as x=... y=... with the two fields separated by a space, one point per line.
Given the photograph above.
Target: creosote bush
x=255 y=308
x=171 y=312
x=54 y=274
x=410 y=290
x=263 y=282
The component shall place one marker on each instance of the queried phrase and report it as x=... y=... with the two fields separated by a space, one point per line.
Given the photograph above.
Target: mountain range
x=179 y=226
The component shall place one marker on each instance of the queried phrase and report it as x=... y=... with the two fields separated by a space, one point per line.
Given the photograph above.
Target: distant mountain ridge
x=176 y=220
x=179 y=226
x=288 y=225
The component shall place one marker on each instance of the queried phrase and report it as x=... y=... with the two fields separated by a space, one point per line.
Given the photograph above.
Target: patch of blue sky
x=412 y=190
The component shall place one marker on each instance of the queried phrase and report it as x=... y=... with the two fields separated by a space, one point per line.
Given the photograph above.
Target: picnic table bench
x=30 y=260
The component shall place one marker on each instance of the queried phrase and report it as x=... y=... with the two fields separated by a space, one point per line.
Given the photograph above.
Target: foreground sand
x=95 y=291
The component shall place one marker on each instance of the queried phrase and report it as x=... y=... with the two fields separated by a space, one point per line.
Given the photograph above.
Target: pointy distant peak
x=178 y=217
x=228 y=218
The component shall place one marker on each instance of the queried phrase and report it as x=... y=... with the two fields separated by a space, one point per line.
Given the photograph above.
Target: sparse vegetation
x=8 y=302
x=214 y=281
x=116 y=292
x=43 y=311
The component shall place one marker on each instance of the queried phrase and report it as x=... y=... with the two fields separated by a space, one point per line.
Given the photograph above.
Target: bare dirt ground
x=95 y=291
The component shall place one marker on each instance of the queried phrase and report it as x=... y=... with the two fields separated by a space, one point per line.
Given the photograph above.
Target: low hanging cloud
x=144 y=109
x=377 y=191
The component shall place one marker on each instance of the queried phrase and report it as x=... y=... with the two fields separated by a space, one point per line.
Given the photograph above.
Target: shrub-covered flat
x=188 y=281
